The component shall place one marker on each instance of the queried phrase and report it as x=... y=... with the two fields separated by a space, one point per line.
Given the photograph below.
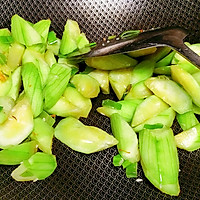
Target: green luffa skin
x=127 y=109
x=16 y=154
x=142 y=71
x=57 y=81
x=43 y=134
x=187 y=120
x=138 y=91
x=23 y=32
x=72 y=103
x=38 y=167
x=128 y=142
x=159 y=159
x=33 y=87
x=165 y=118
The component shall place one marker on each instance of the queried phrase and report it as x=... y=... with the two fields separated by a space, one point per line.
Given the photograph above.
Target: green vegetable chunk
x=16 y=83
x=142 y=71
x=165 y=70
x=187 y=120
x=56 y=84
x=86 y=85
x=52 y=39
x=117 y=160
x=54 y=47
x=185 y=64
x=125 y=164
x=5 y=84
x=16 y=154
x=23 y=32
x=196 y=76
x=111 y=62
x=39 y=61
x=189 y=139
x=4 y=46
x=142 y=52
x=126 y=111
x=43 y=135
x=18 y=125
x=38 y=167
x=6 y=104
x=42 y=27
x=160 y=53
x=102 y=77
x=164 y=119
x=33 y=87
x=188 y=82
x=15 y=54
x=166 y=60
x=72 y=103
x=128 y=142
x=47 y=118
x=131 y=170
x=111 y=104
x=159 y=159
x=72 y=39
x=170 y=92
x=144 y=110
x=196 y=109
x=82 y=138
x=49 y=58
x=153 y=126
x=120 y=80
x=3 y=59
x=138 y=91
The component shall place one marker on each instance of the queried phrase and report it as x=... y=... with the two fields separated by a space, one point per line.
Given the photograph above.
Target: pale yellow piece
x=49 y=58
x=15 y=54
x=187 y=81
x=149 y=108
x=189 y=139
x=18 y=125
x=77 y=99
x=16 y=174
x=120 y=80
x=82 y=138
x=138 y=91
x=102 y=77
x=5 y=84
x=170 y=92
x=72 y=103
x=86 y=85
x=142 y=52
x=38 y=60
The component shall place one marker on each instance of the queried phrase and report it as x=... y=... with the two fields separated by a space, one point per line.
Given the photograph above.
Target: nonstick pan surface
x=80 y=176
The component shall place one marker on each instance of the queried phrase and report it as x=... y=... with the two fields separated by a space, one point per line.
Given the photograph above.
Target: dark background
x=80 y=176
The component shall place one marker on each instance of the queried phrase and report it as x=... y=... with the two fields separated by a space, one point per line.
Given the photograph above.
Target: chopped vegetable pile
x=38 y=82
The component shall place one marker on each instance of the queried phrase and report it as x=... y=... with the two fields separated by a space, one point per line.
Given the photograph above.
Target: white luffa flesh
x=18 y=125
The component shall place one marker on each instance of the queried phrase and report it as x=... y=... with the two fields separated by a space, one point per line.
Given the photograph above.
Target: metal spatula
x=172 y=37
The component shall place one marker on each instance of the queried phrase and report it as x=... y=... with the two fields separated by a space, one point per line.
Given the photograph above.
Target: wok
x=80 y=176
